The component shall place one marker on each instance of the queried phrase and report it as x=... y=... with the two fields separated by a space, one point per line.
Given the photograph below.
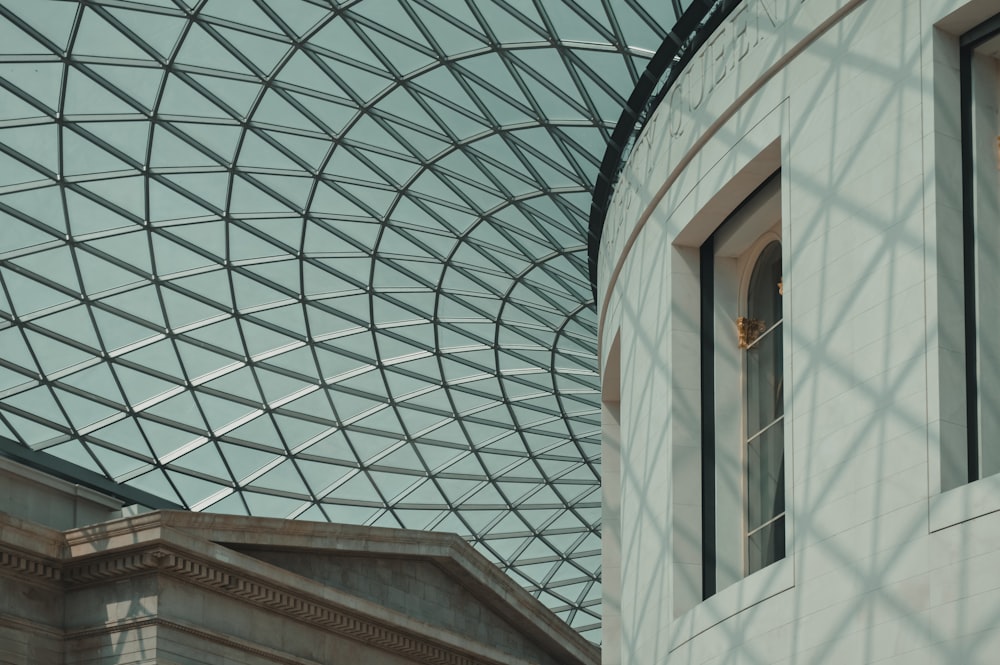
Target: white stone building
x=800 y=446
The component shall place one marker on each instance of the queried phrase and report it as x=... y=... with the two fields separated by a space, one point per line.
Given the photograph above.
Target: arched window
x=764 y=431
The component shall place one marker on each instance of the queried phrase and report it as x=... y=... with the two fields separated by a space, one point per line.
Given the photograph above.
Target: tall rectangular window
x=743 y=438
x=979 y=71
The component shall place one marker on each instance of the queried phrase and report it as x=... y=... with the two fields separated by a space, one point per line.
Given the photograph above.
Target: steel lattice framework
x=319 y=260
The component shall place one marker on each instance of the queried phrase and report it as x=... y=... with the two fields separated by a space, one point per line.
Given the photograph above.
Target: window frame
x=726 y=259
x=957 y=492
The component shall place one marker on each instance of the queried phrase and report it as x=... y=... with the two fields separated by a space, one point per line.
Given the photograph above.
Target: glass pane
x=765 y=397
x=764 y=294
x=765 y=477
x=766 y=546
x=764 y=356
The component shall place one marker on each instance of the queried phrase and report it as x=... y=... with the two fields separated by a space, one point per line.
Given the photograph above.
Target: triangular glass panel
x=247 y=14
x=53 y=355
x=140 y=386
x=275 y=109
x=42 y=205
x=55 y=23
x=95 y=36
x=315 y=404
x=141 y=84
x=265 y=53
x=479 y=520
x=171 y=152
x=181 y=99
x=452 y=433
x=117 y=464
x=202 y=49
x=199 y=361
x=244 y=245
x=182 y=410
x=334 y=364
x=459 y=489
x=73 y=323
x=319 y=476
x=299 y=16
x=160 y=33
x=237 y=95
x=100 y=275
x=221 y=412
x=416 y=519
x=261 y=432
x=85 y=96
x=331 y=447
x=239 y=383
x=220 y=139
x=403 y=56
x=89 y=216
x=19 y=235
x=29 y=296
x=267 y=505
x=127 y=194
x=183 y=310
x=284 y=477
x=294 y=189
x=158 y=357
x=258 y=153
x=41 y=82
x=295 y=431
x=451 y=38
x=164 y=439
x=229 y=504
x=358 y=488
x=331 y=115
x=39 y=143
x=76 y=453
x=248 y=198
x=251 y=293
x=31 y=432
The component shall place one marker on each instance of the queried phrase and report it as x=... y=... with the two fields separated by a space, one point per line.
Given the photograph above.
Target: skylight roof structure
x=319 y=260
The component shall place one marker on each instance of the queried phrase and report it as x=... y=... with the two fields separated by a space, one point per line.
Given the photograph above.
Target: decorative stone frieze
x=27 y=564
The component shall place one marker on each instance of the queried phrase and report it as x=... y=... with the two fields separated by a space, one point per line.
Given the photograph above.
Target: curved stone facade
x=835 y=126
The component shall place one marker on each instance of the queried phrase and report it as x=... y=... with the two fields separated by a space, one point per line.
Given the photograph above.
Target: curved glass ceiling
x=319 y=260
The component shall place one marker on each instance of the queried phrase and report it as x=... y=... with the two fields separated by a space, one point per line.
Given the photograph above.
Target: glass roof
x=319 y=260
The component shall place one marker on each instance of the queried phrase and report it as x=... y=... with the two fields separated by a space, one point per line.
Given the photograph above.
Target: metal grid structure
x=319 y=260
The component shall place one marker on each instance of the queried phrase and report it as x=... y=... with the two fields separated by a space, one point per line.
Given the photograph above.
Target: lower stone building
x=84 y=581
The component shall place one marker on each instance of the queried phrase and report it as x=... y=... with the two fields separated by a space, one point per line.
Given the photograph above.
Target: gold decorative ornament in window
x=748 y=330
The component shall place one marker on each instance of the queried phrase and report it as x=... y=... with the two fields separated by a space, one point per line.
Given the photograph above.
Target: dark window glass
x=765 y=456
